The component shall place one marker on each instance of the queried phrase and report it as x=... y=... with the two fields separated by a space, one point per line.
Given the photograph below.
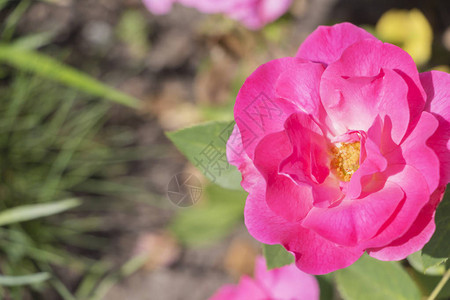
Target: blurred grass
x=47 y=67
x=52 y=147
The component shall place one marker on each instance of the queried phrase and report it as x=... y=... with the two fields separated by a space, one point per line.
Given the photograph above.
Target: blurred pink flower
x=252 y=13
x=343 y=148
x=285 y=283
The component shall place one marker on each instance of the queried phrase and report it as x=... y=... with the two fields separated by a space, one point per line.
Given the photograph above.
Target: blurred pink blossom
x=285 y=283
x=254 y=14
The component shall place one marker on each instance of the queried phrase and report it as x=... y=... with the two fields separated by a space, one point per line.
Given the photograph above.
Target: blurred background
x=88 y=89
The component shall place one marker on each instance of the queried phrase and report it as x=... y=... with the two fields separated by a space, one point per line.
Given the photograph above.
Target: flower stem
x=440 y=285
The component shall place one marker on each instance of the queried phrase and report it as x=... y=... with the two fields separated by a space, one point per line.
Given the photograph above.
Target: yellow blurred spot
x=409 y=30
x=442 y=68
x=240 y=258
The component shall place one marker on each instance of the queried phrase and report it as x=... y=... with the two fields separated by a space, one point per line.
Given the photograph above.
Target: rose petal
x=309 y=160
x=416 y=197
x=436 y=85
x=317 y=255
x=262 y=223
x=300 y=85
x=415 y=152
x=371 y=160
x=353 y=103
x=416 y=237
x=309 y=163
x=354 y=221
x=326 y=43
x=367 y=58
x=314 y=254
x=239 y=158
x=283 y=196
x=258 y=111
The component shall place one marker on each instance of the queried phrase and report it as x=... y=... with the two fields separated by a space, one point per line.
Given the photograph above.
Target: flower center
x=345 y=160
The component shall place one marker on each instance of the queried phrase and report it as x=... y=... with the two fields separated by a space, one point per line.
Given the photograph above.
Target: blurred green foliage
x=369 y=278
x=47 y=67
x=211 y=220
x=52 y=147
x=439 y=245
x=276 y=256
x=211 y=138
x=133 y=31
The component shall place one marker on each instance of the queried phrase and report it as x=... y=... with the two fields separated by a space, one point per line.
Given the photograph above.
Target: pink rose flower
x=285 y=283
x=252 y=13
x=343 y=149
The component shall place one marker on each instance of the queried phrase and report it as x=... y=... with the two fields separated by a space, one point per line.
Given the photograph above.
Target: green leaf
x=439 y=245
x=212 y=219
x=426 y=264
x=35 y=211
x=24 y=280
x=47 y=67
x=205 y=146
x=326 y=286
x=370 y=279
x=276 y=256
x=428 y=283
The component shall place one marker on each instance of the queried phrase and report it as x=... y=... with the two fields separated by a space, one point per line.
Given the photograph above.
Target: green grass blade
x=129 y=268
x=24 y=280
x=3 y=3
x=88 y=283
x=47 y=67
x=34 y=211
x=13 y=19
x=35 y=40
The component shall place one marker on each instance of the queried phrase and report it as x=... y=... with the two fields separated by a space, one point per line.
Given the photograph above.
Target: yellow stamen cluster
x=345 y=160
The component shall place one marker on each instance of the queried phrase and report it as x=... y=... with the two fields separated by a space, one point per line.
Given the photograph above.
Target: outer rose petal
x=416 y=197
x=326 y=43
x=416 y=237
x=262 y=223
x=354 y=221
x=314 y=254
x=367 y=57
x=287 y=282
x=317 y=255
x=237 y=157
x=258 y=111
x=416 y=153
x=300 y=85
x=436 y=85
